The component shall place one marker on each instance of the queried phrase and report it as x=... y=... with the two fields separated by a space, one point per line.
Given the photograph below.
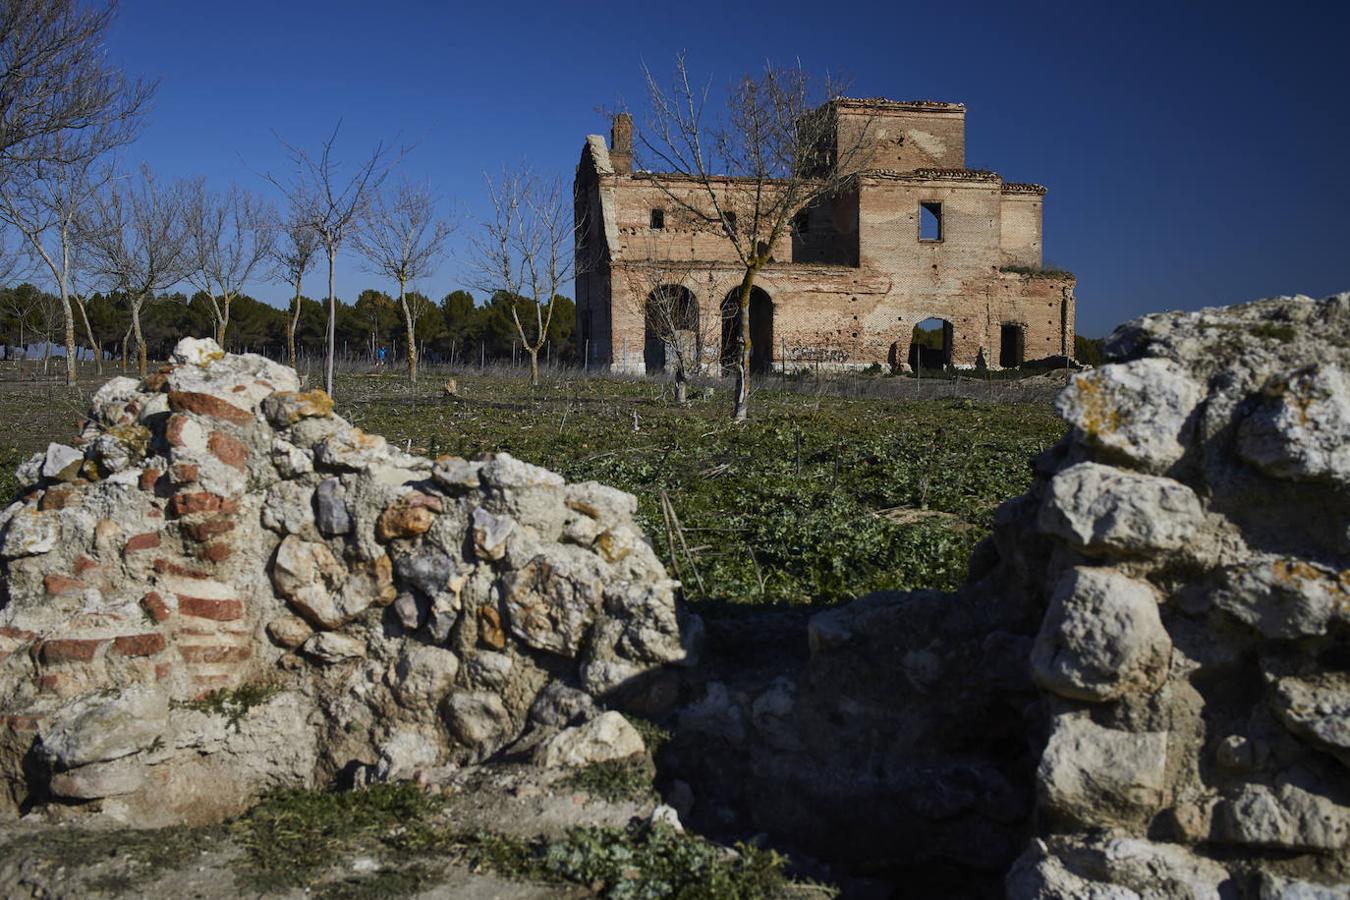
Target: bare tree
x=525 y=251
x=137 y=243
x=402 y=238
x=330 y=203
x=44 y=200
x=229 y=237
x=293 y=256
x=664 y=294
x=77 y=274
x=746 y=174
x=55 y=79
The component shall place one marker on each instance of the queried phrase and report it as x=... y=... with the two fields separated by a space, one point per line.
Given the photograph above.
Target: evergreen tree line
x=457 y=330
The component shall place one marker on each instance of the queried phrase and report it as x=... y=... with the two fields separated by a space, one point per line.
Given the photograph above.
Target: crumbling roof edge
x=908 y=105
x=1023 y=187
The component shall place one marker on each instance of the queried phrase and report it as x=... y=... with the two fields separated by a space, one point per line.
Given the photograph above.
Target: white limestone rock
x=1104 y=511
x=1299 y=430
x=1286 y=817
x=1089 y=774
x=103 y=727
x=609 y=736
x=1137 y=411
x=1284 y=597
x=1101 y=637
x=1317 y=709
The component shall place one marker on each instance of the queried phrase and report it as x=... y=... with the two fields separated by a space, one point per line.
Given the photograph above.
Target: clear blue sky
x=1195 y=154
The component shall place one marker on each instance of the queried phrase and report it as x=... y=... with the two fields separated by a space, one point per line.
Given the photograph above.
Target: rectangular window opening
x=658 y=218
x=930 y=220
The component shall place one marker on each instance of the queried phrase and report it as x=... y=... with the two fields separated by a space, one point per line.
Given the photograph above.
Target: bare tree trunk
x=89 y=332
x=534 y=365
x=742 y=407
x=68 y=321
x=293 y=322
x=412 y=338
x=681 y=384
x=332 y=324
x=141 y=360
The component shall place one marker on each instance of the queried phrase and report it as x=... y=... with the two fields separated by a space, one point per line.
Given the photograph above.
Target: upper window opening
x=658 y=218
x=930 y=221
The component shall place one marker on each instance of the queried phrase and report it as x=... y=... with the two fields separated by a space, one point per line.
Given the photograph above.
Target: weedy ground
x=833 y=488
x=817 y=499
x=398 y=841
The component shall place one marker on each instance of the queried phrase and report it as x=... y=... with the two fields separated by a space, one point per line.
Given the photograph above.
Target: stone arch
x=916 y=354
x=761 y=330
x=671 y=315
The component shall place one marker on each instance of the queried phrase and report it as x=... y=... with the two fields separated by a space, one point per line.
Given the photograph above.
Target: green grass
x=294 y=835
x=131 y=858
x=641 y=862
x=615 y=780
x=233 y=704
x=1037 y=271
x=293 y=839
x=816 y=499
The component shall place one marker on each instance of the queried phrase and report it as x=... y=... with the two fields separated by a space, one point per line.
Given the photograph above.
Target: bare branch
x=137 y=242
x=322 y=198
x=230 y=235
x=525 y=252
x=55 y=80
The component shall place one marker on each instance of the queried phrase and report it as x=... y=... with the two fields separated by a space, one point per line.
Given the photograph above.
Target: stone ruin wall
x=1143 y=690
x=215 y=529
x=847 y=295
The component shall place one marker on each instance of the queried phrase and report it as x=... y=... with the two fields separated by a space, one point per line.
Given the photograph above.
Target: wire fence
x=1039 y=387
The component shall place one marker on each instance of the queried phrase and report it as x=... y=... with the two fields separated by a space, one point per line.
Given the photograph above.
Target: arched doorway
x=930 y=344
x=670 y=331
x=761 y=331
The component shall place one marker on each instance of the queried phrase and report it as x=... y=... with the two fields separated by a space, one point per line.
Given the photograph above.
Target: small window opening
x=930 y=221
x=658 y=218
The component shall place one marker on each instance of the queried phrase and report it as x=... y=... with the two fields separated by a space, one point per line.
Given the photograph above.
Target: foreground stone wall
x=224 y=587
x=1143 y=690
x=1190 y=540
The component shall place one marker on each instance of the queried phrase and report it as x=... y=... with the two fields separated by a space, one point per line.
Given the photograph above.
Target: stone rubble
x=1189 y=541
x=222 y=587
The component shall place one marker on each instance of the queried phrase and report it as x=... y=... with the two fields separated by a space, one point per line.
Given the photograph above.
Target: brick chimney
x=621 y=144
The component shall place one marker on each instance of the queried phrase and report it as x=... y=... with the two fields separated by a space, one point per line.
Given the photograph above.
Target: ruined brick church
x=915 y=237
